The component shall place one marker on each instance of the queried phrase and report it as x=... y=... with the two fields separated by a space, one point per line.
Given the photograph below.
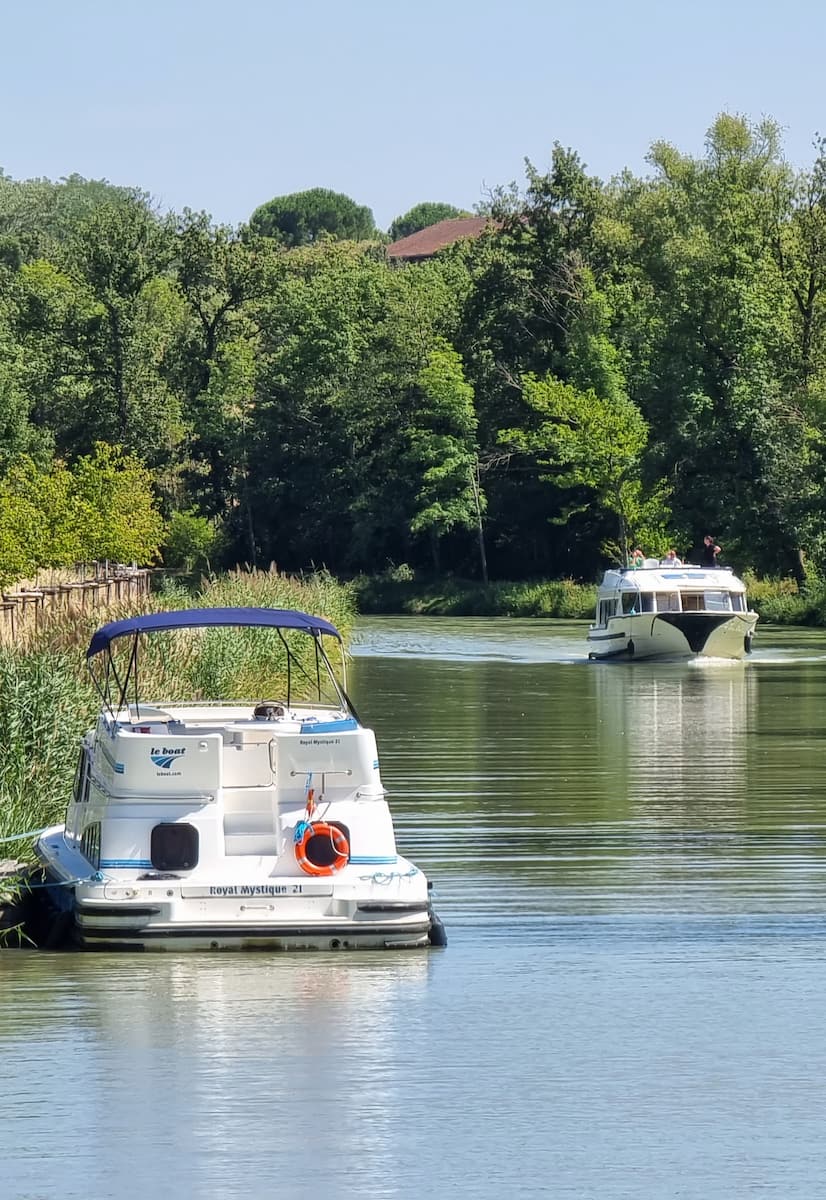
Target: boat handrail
x=319 y=771
x=141 y=796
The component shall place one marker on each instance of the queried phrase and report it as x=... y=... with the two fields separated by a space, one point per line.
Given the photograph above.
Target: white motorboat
x=659 y=610
x=218 y=825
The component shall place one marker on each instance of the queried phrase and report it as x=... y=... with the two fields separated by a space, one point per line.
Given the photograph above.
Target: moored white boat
x=664 y=611
x=230 y=825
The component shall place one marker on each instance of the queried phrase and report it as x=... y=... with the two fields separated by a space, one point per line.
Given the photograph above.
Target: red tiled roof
x=436 y=237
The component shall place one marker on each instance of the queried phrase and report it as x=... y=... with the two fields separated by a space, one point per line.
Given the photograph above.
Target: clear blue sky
x=220 y=106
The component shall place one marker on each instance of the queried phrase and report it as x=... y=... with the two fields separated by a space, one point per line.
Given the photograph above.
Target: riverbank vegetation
x=777 y=600
x=397 y=591
x=47 y=700
x=640 y=358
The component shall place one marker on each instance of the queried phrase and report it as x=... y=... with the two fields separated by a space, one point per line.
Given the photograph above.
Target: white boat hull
x=356 y=909
x=672 y=635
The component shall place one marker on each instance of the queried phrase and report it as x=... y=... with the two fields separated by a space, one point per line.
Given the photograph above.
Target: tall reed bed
x=47 y=699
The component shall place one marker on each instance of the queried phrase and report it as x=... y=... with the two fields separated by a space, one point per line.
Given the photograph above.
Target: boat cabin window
x=706 y=602
x=718 y=601
x=174 y=847
x=80 y=790
x=637 y=602
x=90 y=844
x=607 y=609
x=668 y=602
x=738 y=601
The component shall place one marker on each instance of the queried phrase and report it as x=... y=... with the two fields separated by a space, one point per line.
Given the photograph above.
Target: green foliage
x=592 y=443
x=421 y=216
x=288 y=384
x=443 y=447
x=717 y=389
x=191 y=542
x=118 y=257
x=463 y=598
x=42 y=215
x=103 y=508
x=17 y=435
x=343 y=339
x=121 y=521
x=19 y=534
x=303 y=217
x=401 y=573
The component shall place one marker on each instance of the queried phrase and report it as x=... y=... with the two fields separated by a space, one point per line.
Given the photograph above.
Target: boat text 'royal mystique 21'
x=662 y=611
x=216 y=825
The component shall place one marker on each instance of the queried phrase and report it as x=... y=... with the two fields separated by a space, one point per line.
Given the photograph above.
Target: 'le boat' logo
x=164 y=757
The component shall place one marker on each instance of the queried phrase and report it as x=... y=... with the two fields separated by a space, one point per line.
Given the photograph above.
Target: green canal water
x=630 y=862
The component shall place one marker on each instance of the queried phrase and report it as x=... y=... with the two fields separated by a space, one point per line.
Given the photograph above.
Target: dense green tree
x=720 y=330
x=537 y=306
x=304 y=450
x=343 y=339
x=115 y=493
x=121 y=256
x=52 y=314
x=443 y=450
x=587 y=441
x=18 y=537
x=420 y=216
x=17 y=435
x=302 y=217
x=41 y=214
x=52 y=520
x=290 y=391
x=220 y=272
x=191 y=542
x=799 y=236
x=103 y=507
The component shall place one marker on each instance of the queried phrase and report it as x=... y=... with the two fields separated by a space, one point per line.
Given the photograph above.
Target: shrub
x=191 y=542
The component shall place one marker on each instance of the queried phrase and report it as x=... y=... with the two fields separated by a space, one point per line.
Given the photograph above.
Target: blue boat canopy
x=206 y=618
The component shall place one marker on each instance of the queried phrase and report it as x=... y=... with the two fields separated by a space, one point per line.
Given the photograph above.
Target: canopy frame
x=113 y=683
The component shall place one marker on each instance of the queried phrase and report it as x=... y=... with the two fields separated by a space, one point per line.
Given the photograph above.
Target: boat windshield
x=710 y=600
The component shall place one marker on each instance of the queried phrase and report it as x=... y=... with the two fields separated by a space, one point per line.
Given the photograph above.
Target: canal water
x=630 y=862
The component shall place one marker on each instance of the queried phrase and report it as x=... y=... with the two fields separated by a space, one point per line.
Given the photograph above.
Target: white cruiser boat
x=663 y=611
x=213 y=825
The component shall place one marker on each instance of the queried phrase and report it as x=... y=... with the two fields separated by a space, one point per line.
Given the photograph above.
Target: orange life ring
x=338 y=841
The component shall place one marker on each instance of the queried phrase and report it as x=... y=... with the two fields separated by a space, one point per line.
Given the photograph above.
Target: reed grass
x=47 y=699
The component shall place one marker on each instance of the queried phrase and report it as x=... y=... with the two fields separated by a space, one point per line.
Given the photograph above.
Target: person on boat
x=709 y=552
x=671 y=560
x=637 y=558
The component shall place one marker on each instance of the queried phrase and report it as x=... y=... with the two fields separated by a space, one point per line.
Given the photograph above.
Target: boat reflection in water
x=678 y=727
x=227 y=1064
x=685 y=810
